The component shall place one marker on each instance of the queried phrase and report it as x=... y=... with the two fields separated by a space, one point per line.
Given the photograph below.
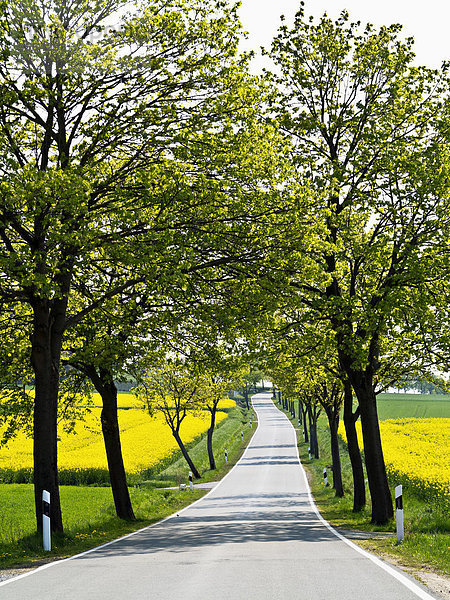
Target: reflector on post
x=46 y=529
x=399 y=513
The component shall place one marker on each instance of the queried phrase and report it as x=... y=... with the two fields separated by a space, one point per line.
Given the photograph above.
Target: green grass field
x=420 y=406
x=88 y=515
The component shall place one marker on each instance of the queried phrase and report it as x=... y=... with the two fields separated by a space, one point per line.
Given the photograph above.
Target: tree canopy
x=106 y=121
x=365 y=133
x=155 y=195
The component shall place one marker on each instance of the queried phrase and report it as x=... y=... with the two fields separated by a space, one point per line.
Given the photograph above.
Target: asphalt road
x=256 y=536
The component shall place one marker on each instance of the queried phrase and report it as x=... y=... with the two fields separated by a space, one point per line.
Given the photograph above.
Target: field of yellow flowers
x=145 y=441
x=416 y=455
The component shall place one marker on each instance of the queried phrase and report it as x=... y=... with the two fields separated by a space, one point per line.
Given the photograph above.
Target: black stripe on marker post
x=46 y=523
x=399 y=513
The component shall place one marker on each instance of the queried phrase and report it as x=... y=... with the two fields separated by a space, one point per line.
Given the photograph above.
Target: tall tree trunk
x=46 y=343
x=104 y=384
x=305 y=421
x=185 y=453
x=300 y=413
x=333 y=420
x=313 y=431
x=209 y=439
x=350 y=418
x=382 y=509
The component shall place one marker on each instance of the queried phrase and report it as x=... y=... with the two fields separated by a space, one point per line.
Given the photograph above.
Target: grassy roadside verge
x=427 y=542
x=227 y=437
x=88 y=512
x=99 y=526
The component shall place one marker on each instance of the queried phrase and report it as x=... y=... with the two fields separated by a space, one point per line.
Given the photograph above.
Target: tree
x=363 y=125
x=350 y=418
x=304 y=412
x=91 y=116
x=220 y=371
x=214 y=394
x=174 y=390
x=103 y=382
x=254 y=377
x=251 y=379
x=246 y=393
x=330 y=396
x=313 y=409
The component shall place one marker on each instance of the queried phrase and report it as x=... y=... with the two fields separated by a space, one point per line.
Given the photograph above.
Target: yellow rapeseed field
x=145 y=441
x=129 y=400
x=416 y=454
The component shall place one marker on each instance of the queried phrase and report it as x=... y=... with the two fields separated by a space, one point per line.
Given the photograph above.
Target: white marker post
x=191 y=485
x=309 y=453
x=325 y=479
x=399 y=513
x=226 y=457
x=46 y=533
x=242 y=436
x=304 y=436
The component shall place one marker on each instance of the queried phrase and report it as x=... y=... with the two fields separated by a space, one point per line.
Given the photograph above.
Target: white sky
x=428 y=21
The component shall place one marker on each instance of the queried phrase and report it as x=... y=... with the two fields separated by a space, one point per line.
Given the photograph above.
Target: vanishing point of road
x=255 y=536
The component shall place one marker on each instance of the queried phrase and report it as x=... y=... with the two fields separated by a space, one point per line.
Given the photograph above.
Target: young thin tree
x=221 y=371
x=174 y=390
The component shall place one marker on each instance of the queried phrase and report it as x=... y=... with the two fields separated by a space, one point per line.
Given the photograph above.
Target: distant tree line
x=437 y=385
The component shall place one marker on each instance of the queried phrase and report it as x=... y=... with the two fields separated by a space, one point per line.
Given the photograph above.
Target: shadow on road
x=247 y=516
x=185 y=534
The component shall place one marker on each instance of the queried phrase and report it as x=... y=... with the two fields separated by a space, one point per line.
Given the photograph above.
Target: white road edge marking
x=413 y=587
x=397 y=575
x=124 y=537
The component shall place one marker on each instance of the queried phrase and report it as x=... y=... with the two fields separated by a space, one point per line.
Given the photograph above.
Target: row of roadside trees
x=365 y=280
x=157 y=197
x=124 y=196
